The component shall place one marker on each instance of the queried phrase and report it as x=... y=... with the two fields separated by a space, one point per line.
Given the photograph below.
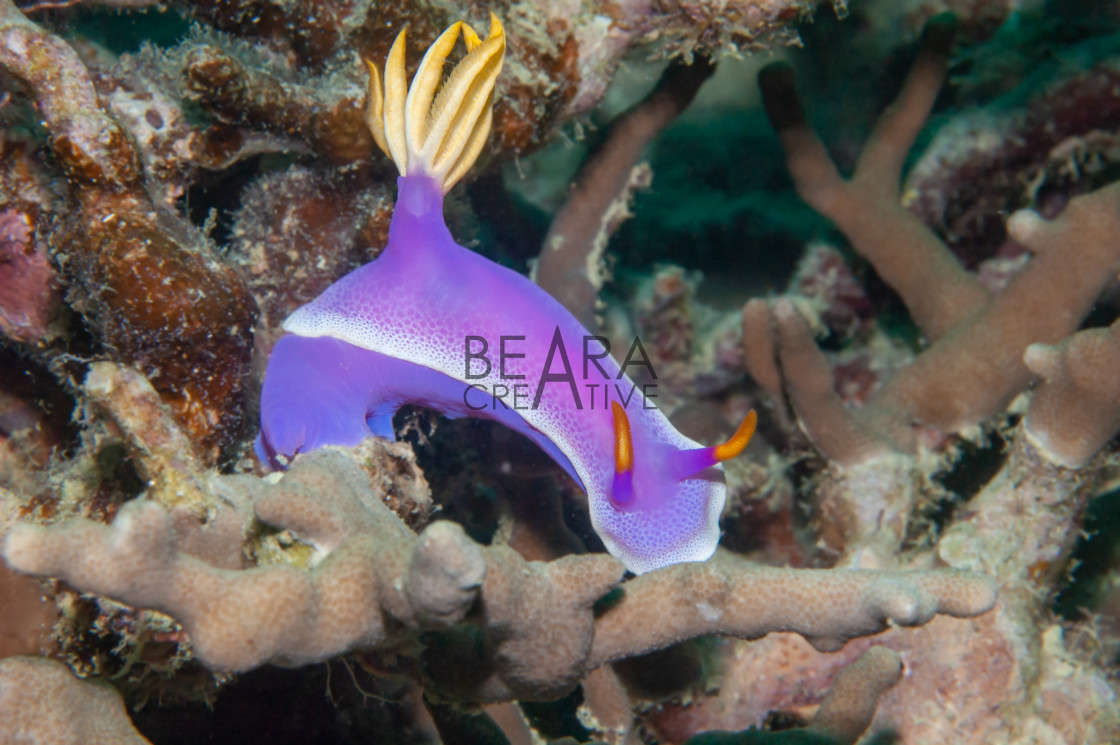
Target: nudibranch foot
x=316 y=394
x=320 y=390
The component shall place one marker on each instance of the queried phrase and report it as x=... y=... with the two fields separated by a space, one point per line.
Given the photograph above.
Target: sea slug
x=432 y=323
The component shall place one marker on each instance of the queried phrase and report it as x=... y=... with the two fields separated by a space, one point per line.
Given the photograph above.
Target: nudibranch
x=432 y=323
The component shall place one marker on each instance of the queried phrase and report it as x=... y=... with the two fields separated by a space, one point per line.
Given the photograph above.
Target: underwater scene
x=559 y=371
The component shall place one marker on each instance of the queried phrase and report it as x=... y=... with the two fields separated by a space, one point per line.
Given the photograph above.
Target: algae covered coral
x=937 y=378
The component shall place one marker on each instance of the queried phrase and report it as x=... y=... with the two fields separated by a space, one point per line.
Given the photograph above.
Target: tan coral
x=570 y=266
x=734 y=597
x=372 y=580
x=42 y=702
x=936 y=289
x=1075 y=411
x=848 y=708
x=973 y=367
x=373 y=584
x=27 y=615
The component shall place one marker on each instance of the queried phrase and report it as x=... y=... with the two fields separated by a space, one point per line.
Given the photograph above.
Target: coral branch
x=734 y=597
x=330 y=120
x=844 y=714
x=89 y=144
x=129 y=401
x=1021 y=529
x=570 y=263
x=42 y=702
x=849 y=706
x=936 y=289
x=837 y=433
x=975 y=372
x=374 y=581
x=606 y=706
x=880 y=163
x=373 y=584
x=760 y=354
x=1076 y=410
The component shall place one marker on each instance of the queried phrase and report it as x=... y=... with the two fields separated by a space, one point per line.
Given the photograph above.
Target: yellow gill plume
x=434 y=129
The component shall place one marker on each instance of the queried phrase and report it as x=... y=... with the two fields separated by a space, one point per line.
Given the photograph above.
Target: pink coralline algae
x=29 y=295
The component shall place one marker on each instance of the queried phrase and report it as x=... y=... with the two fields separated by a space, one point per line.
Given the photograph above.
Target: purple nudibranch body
x=394 y=332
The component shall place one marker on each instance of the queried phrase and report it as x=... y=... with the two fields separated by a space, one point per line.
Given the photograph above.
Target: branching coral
x=974 y=372
x=364 y=580
x=844 y=714
x=974 y=366
x=328 y=117
x=570 y=266
x=848 y=708
x=1015 y=676
x=938 y=292
x=1076 y=411
x=372 y=584
x=871 y=499
x=91 y=147
x=736 y=598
